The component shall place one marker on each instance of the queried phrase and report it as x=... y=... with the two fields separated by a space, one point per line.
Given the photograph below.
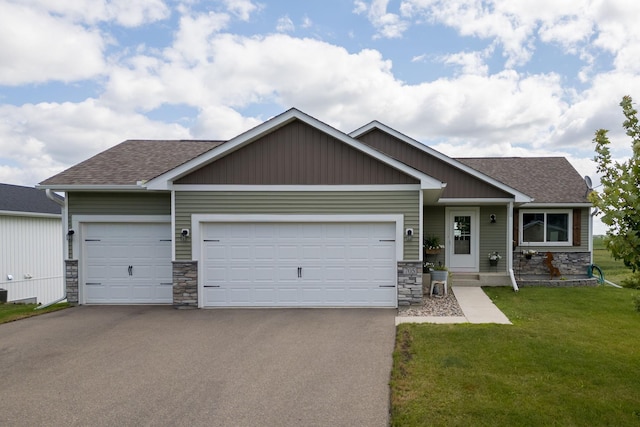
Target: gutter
x=65 y=226
x=514 y=284
x=52 y=303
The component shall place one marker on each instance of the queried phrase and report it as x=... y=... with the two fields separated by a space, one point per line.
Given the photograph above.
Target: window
x=546 y=227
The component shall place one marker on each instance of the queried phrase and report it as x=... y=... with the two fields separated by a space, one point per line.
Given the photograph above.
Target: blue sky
x=469 y=78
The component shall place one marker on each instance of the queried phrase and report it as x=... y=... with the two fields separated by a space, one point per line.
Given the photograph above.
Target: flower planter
x=493 y=262
x=439 y=275
x=432 y=251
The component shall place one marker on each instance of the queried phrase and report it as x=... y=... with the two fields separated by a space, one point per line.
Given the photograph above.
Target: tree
x=619 y=200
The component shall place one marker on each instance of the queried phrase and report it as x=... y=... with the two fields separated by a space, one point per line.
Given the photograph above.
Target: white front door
x=463 y=239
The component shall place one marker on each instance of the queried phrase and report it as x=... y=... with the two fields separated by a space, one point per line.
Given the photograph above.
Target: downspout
x=514 y=284
x=65 y=248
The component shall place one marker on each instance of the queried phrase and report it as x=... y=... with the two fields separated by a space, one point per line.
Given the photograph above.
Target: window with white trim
x=549 y=228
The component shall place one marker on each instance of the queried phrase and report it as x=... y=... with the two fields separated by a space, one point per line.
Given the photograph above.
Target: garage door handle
x=131 y=270
x=93 y=284
x=299 y=271
x=387 y=286
x=211 y=286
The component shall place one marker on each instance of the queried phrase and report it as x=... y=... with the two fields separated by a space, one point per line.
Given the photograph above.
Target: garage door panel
x=341 y=264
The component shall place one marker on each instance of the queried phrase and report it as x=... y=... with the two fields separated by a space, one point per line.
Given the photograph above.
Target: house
x=31 y=260
x=294 y=213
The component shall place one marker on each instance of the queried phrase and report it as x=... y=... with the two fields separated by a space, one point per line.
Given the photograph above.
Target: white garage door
x=299 y=265
x=127 y=264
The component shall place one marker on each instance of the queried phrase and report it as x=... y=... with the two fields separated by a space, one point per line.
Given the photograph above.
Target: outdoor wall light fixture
x=184 y=233
x=70 y=234
x=492 y=217
x=408 y=233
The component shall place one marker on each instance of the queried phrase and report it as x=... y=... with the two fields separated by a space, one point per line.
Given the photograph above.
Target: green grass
x=10 y=312
x=570 y=359
x=614 y=271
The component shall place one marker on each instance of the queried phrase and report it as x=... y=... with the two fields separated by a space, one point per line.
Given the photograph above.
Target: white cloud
x=242 y=9
x=285 y=25
x=469 y=62
x=388 y=25
x=124 y=12
x=38 y=47
x=43 y=139
x=307 y=22
x=220 y=122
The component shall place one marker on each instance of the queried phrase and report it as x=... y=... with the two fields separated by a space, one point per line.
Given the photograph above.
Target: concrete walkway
x=475 y=304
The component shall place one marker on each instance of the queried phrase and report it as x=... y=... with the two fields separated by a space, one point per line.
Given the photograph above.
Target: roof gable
x=297 y=154
x=546 y=179
x=462 y=181
x=15 y=198
x=164 y=181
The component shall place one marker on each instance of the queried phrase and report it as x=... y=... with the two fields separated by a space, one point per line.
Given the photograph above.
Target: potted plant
x=529 y=253
x=494 y=257
x=432 y=245
x=440 y=273
x=428 y=267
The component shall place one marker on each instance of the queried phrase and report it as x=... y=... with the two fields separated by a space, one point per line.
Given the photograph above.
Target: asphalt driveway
x=137 y=365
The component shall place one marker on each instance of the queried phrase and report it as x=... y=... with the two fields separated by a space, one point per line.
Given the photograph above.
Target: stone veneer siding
x=71 y=280
x=185 y=284
x=569 y=263
x=557 y=283
x=409 y=283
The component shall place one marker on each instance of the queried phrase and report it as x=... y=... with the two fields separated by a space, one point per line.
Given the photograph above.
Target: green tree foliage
x=619 y=200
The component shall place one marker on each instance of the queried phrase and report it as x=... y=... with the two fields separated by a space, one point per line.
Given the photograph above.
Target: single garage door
x=127 y=264
x=299 y=265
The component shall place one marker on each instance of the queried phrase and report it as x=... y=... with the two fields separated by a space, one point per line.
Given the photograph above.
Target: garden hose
x=600 y=277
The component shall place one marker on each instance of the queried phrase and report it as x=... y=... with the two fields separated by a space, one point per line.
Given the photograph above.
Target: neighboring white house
x=31 y=244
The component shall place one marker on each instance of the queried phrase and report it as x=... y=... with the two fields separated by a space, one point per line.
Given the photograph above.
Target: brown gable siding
x=297 y=154
x=459 y=183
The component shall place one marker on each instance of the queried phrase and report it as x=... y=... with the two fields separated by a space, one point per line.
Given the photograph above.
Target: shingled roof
x=16 y=198
x=546 y=179
x=131 y=161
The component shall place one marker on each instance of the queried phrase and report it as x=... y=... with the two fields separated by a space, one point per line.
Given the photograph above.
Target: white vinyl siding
x=31 y=252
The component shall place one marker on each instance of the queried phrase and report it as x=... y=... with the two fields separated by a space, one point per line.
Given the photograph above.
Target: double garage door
x=298 y=265
x=246 y=264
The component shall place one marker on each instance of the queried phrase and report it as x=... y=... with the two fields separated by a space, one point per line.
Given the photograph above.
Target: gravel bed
x=433 y=306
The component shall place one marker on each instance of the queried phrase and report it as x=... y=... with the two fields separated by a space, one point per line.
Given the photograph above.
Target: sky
x=469 y=78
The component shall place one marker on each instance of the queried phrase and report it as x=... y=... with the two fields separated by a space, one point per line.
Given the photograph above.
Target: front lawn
x=10 y=312
x=569 y=359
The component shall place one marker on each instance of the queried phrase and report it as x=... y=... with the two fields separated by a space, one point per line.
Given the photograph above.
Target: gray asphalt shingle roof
x=546 y=179
x=131 y=161
x=16 y=198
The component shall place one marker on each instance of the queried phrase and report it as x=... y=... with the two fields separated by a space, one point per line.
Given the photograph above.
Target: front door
x=462 y=238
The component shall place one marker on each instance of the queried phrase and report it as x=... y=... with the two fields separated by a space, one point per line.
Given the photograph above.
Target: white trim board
x=300 y=188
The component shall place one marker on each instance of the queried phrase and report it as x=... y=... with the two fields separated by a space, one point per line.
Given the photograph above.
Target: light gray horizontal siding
x=310 y=203
x=117 y=204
